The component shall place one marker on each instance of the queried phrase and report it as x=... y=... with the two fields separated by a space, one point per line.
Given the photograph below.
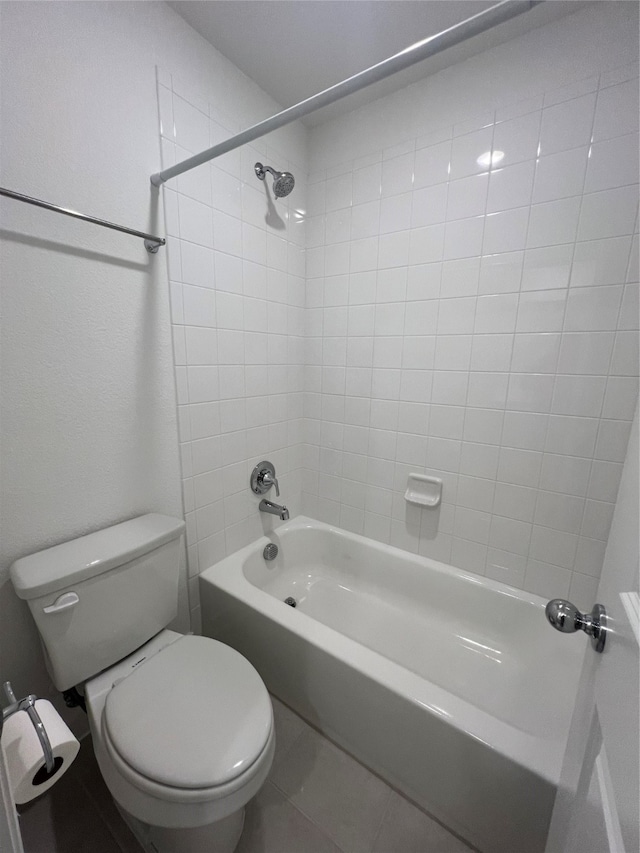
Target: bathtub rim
x=541 y=756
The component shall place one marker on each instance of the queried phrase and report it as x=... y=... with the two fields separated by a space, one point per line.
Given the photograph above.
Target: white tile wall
x=236 y=261
x=480 y=323
x=476 y=322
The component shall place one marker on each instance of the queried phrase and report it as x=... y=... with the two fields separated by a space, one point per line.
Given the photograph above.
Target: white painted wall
x=89 y=433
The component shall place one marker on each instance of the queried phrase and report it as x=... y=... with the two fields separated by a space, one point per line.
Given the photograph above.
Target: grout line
x=573 y=257
x=107 y=823
x=383 y=816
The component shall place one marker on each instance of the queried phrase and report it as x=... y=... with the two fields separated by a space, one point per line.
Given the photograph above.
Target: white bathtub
x=452 y=687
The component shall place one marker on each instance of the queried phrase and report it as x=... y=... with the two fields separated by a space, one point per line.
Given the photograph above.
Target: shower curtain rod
x=476 y=24
x=151 y=242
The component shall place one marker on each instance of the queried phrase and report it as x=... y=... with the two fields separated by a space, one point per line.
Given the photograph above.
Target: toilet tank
x=98 y=598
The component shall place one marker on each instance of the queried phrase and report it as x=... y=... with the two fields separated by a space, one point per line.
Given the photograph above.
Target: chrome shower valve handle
x=269 y=480
x=263 y=477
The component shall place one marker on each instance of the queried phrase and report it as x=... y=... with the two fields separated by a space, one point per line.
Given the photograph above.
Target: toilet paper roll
x=25 y=761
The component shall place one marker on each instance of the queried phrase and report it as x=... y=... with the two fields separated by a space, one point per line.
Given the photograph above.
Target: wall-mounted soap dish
x=423 y=490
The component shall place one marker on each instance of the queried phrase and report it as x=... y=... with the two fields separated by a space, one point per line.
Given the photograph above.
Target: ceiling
x=295 y=48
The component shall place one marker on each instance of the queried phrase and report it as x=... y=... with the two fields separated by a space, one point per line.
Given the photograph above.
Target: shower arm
x=476 y=24
x=260 y=171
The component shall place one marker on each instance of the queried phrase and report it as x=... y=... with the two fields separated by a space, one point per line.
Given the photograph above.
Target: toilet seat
x=190 y=722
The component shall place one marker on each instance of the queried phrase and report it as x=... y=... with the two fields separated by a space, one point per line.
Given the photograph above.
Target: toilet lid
x=195 y=715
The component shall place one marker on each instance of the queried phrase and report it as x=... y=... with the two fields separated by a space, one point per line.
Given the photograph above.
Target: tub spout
x=274 y=509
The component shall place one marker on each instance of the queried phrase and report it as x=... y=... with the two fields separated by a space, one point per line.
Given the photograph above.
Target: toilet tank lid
x=83 y=558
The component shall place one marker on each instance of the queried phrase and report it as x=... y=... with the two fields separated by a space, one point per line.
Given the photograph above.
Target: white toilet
x=182 y=726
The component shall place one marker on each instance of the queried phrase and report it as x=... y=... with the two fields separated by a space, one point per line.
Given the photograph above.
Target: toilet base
x=219 y=837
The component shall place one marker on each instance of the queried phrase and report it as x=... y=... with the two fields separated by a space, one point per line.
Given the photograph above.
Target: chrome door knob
x=565 y=616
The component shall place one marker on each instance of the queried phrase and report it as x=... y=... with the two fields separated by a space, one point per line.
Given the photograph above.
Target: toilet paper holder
x=28 y=704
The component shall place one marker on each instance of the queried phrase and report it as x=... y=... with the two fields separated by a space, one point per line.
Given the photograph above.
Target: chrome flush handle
x=565 y=616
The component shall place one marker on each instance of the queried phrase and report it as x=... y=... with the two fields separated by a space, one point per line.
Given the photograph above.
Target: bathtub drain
x=291 y=602
x=270 y=551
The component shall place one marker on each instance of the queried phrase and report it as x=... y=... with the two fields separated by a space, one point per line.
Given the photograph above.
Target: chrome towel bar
x=151 y=242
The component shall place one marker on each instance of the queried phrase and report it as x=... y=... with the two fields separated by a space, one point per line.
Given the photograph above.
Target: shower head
x=283 y=182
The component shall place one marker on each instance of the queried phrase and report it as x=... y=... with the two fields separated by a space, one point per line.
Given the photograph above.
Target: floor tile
x=406 y=829
x=100 y=796
x=64 y=819
x=289 y=726
x=339 y=795
x=319 y=800
x=274 y=825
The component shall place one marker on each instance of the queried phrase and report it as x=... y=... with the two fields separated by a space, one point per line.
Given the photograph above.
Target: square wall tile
x=560 y=175
x=610 y=213
x=546 y=580
x=501 y=273
x=467 y=152
x=496 y=314
x=617 y=110
x=567 y=125
x=463 y=303
x=593 y=309
x=517 y=138
x=598 y=262
x=613 y=163
x=463 y=238
x=505 y=231
x=511 y=187
x=513 y=501
x=553 y=222
x=431 y=165
x=467 y=196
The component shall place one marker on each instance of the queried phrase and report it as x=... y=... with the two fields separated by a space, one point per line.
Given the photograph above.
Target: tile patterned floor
x=317 y=800
x=77 y=815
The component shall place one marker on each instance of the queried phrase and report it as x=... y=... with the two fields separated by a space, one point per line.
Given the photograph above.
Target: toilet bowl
x=183 y=734
x=182 y=731
x=182 y=726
